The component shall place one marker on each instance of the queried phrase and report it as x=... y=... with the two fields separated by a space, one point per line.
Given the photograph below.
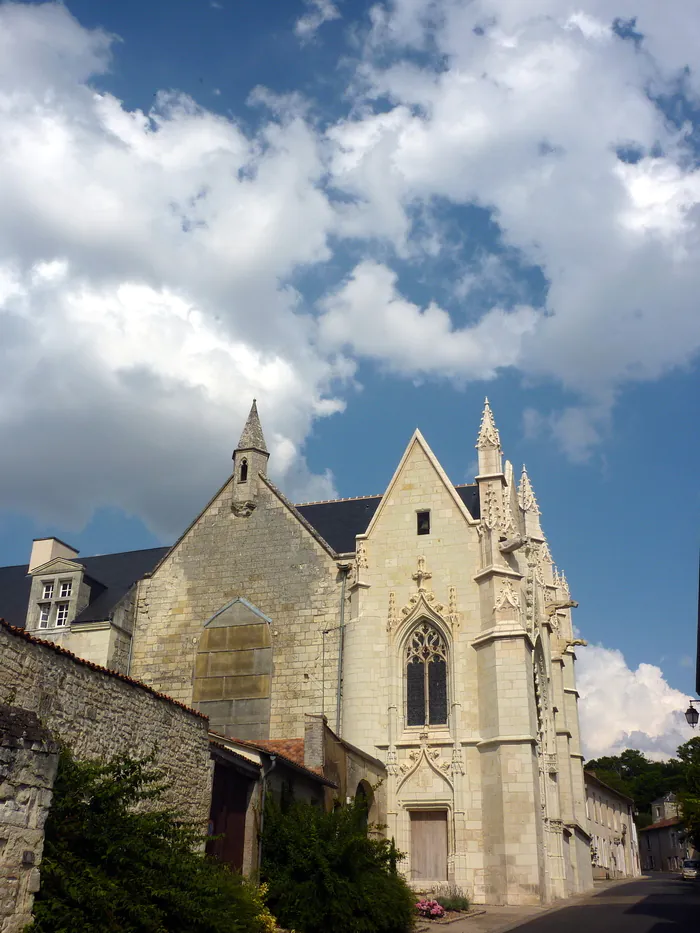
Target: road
x=658 y=903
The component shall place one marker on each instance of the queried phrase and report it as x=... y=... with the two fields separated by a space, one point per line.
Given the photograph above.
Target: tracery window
x=426 y=677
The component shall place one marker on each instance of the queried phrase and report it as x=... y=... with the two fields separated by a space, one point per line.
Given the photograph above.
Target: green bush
x=116 y=860
x=451 y=897
x=326 y=874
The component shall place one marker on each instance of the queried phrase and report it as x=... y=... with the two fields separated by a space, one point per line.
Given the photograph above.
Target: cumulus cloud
x=144 y=296
x=150 y=261
x=317 y=13
x=541 y=112
x=368 y=315
x=623 y=708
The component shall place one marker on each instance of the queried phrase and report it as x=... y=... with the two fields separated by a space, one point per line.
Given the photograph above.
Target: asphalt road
x=657 y=903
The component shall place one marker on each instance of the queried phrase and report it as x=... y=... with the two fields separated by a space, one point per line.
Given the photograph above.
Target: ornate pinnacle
x=526 y=494
x=252 y=437
x=564 y=583
x=488 y=432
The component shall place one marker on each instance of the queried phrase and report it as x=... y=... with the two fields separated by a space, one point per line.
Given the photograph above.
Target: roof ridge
x=343 y=499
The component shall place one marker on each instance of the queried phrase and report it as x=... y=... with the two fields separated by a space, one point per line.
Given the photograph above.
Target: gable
x=56 y=565
x=420 y=483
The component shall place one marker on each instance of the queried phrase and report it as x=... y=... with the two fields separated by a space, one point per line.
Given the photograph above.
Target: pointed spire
x=526 y=494
x=488 y=432
x=252 y=437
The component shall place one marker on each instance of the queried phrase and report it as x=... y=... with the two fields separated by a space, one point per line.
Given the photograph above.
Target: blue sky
x=368 y=216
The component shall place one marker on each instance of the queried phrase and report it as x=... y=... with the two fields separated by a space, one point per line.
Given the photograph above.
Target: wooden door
x=229 y=802
x=428 y=845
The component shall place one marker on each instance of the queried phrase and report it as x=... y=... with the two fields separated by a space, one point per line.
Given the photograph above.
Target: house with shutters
x=428 y=625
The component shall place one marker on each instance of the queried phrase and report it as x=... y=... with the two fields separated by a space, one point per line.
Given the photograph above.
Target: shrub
x=326 y=874
x=451 y=897
x=429 y=908
x=117 y=860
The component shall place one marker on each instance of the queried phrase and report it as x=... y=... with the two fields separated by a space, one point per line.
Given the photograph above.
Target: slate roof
x=339 y=520
x=115 y=574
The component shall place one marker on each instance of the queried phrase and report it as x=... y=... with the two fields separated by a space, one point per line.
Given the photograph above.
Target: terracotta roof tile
x=661 y=824
x=291 y=750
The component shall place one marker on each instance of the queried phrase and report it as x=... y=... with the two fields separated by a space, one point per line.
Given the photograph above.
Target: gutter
x=345 y=570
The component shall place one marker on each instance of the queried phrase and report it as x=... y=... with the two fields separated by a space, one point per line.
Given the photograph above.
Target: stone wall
x=272 y=560
x=28 y=761
x=99 y=713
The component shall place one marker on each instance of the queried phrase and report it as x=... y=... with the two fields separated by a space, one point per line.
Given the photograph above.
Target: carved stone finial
x=421 y=574
x=488 y=432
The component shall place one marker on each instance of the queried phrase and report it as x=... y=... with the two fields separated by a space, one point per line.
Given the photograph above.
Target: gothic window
x=243 y=472
x=426 y=677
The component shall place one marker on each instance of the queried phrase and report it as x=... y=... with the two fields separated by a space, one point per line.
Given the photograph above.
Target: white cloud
x=144 y=261
x=317 y=13
x=149 y=261
x=368 y=315
x=520 y=108
x=622 y=708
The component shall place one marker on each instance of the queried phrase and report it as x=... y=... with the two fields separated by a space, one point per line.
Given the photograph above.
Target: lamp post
x=692 y=715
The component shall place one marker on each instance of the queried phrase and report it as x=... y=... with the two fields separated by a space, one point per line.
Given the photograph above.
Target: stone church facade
x=429 y=625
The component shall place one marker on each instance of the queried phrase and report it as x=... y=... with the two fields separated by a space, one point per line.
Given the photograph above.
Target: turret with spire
x=249 y=461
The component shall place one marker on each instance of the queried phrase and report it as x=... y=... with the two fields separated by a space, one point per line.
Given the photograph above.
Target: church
x=429 y=625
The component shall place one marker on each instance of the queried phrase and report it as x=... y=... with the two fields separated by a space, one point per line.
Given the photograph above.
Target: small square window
x=66 y=589
x=62 y=614
x=44 y=613
x=423 y=523
x=48 y=590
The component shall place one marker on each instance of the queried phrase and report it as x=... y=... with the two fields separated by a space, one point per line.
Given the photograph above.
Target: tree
x=325 y=873
x=689 y=794
x=634 y=775
x=117 y=860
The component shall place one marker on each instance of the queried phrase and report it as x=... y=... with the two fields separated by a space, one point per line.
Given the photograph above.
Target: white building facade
x=614 y=841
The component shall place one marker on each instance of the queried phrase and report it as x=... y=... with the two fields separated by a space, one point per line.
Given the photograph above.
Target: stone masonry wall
x=100 y=714
x=28 y=761
x=270 y=559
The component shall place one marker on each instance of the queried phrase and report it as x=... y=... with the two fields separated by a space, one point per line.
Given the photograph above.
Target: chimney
x=45 y=549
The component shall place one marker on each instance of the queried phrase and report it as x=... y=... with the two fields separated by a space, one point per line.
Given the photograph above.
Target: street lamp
x=692 y=715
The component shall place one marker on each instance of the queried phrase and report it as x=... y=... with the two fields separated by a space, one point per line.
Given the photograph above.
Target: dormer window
x=423 y=523
x=66 y=589
x=243 y=472
x=44 y=614
x=47 y=592
x=62 y=614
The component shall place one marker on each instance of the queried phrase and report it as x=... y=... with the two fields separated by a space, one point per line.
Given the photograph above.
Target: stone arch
x=233 y=671
x=365 y=794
